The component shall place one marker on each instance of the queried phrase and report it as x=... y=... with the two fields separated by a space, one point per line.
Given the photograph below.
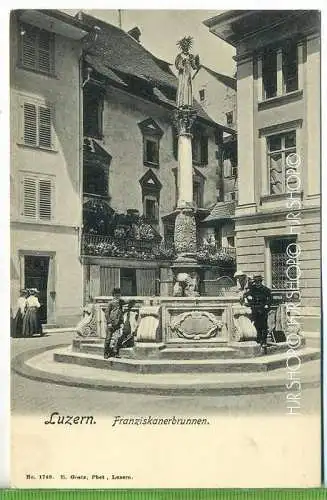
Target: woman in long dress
x=17 y=327
x=32 y=322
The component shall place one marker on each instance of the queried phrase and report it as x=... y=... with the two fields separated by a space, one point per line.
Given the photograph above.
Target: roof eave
x=54 y=21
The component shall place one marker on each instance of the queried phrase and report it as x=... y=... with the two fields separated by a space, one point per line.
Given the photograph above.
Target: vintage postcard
x=165 y=248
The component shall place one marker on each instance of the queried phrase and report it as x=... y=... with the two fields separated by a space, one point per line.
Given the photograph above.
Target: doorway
x=128 y=282
x=36 y=276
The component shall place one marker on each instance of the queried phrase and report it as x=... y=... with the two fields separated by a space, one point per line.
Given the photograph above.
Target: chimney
x=135 y=33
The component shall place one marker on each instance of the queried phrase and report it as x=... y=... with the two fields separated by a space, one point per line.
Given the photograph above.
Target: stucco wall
x=219 y=98
x=123 y=140
x=63 y=92
x=59 y=236
x=62 y=245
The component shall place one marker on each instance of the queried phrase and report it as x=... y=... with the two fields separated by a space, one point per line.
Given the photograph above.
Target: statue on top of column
x=185 y=63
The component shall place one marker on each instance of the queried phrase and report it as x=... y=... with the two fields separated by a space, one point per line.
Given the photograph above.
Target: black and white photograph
x=165 y=256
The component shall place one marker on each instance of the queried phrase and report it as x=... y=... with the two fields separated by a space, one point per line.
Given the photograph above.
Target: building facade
x=277 y=218
x=45 y=180
x=130 y=165
x=217 y=95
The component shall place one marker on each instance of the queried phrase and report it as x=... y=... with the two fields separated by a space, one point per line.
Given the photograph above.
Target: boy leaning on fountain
x=115 y=318
x=117 y=335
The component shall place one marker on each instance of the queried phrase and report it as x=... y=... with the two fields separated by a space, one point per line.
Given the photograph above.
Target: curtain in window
x=276 y=174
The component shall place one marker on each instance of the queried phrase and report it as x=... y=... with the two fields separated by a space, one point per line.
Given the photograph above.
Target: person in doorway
x=18 y=316
x=115 y=318
x=32 y=322
x=259 y=298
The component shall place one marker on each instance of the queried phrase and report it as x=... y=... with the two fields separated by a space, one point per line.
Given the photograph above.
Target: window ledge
x=280 y=99
x=105 y=197
x=40 y=148
x=199 y=163
x=97 y=137
x=150 y=164
x=38 y=72
x=280 y=196
x=27 y=220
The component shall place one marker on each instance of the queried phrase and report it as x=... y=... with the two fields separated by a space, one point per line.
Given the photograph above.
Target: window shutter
x=204 y=150
x=44 y=127
x=28 y=48
x=30 y=124
x=29 y=203
x=45 y=199
x=44 y=54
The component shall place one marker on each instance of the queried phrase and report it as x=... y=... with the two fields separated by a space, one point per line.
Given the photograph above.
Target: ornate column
x=185 y=266
x=185 y=226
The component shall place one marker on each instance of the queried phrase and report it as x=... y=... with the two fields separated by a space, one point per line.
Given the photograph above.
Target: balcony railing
x=214 y=254
x=152 y=249
x=109 y=246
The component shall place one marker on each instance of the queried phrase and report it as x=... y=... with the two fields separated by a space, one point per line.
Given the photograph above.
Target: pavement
x=75 y=388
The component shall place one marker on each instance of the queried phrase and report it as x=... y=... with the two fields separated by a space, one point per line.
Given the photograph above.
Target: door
x=36 y=276
x=146 y=282
x=128 y=282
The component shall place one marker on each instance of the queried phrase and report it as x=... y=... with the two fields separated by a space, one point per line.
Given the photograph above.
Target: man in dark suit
x=259 y=298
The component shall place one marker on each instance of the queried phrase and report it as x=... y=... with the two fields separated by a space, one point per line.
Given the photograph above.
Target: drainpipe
x=81 y=142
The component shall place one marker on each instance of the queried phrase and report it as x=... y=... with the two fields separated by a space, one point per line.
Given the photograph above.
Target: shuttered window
x=37 y=125
x=45 y=199
x=30 y=124
x=44 y=127
x=36 y=49
x=29 y=198
x=37 y=198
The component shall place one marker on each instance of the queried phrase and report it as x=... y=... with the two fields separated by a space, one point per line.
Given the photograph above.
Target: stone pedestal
x=185 y=235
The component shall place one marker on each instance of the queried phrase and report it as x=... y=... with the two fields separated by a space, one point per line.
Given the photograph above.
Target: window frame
x=198 y=141
x=264 y=133
x=99 y=98
x=154 y=140
x=268 y=261
x=153 y=198
x=202 y=95
x=228 y=115
x=150 y=132
x=38 y=104
x=23 y=29
x=283 y=151
x=281 y=56
x=37 y=178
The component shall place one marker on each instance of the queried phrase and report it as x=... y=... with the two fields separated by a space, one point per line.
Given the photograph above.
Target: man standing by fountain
x=259 y=298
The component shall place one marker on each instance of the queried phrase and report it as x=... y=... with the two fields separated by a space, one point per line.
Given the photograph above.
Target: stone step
x=260 y=364
x=165 y=353
x=198 y=353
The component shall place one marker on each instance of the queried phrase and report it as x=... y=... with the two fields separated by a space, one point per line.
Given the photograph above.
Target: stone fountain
x=186 y=332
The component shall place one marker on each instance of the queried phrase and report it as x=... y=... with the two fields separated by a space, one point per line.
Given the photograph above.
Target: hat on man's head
x=239 y=273
x=116 y=291
x=257 y=277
